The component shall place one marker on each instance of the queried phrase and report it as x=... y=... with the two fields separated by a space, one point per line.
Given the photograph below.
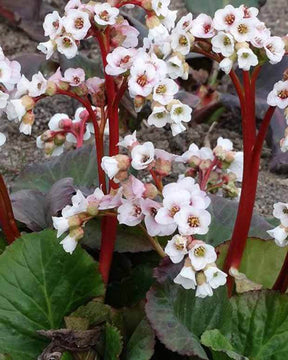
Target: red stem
x=7 y=220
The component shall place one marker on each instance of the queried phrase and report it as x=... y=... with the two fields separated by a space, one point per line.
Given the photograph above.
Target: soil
x=20 y=149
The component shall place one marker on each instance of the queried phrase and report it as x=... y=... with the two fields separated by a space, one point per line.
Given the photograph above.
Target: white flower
x=279 y=95
x=61 y=224
x=203 y=27
x=129 y=141
x=142 y=155
x=69 y=244
x=226 y=144
x=225 y=18
x=201 y=255
x=130 y=212
x=177 y=128
x=275 y=49
x=52 y=25
x=159 y=117
x=15 y=110
x=204 y=290
x=119 y=61
x=47 y=48
x=236 y=166
x=246 y=58
x=54 y=122
x=176 y=68
x=105 y=14
x=191 y=220
x=110 y=165
x=180 y=112
x=5 y=71
x=280 y=211
x=176 y=248
x=77 y=23
x=79 y=205
x=243 y=30
x=226 y=65
x=186 y=278
x=185 y=23
x=223 y=43
x=215 y=277
x=279 y=234
x=3 y=99
x=180 y=42
x=164 y=91
x=261 y=35
x=143 y=78
x=284 y=144
x=204 y=153
x=66 y=46
x=2 y=139
x=38 y=85
x=160 y=7
x=169 y=20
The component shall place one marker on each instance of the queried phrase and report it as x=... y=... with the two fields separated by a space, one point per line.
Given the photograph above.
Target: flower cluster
x=280 y=233
x=199 y=270
x=81 y=21
x=10 y=74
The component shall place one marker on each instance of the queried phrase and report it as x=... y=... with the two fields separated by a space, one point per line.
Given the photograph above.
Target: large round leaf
x=259 y=328
x=262 y=260
x=39 y=285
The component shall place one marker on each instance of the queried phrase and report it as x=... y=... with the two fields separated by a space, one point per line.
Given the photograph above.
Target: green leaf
x=142 y=342
x=223 y=213
x=261 y=262
x=129 y=239
x=39 y=285
x=79 y=164
x=95 y=312
x=113 y=343
x=210 y=6
x=179 y=318
x=218 y=342
x=132 y=288
x=259 y=327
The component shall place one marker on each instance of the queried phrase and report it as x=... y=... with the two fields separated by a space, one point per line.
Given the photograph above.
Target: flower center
x=153 y=212
x=207 y=28
x=137 y=210
x=243 y=29
x=39 y=85
x=226 y=41
x=174 y=209
x=160 y=115
x=183 y=40
x=142 y=80
x=179 y=245
x=79 y=23
x=229 y=19
x=200 y=251
x=283 y=94
x=76 y=79
x=66 y=42
x=56 y=24
x=145 y=158
x=125 y=60
x=161 y=89
x=104 y=15
x=193 y=221
x=285 y=211
x=178 y=110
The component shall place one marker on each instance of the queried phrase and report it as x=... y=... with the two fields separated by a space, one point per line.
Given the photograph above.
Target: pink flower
x=130 y=212
x=74 y=77
x=203 y=27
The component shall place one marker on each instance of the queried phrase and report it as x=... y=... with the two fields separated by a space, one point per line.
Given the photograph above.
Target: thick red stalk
x=7 y=220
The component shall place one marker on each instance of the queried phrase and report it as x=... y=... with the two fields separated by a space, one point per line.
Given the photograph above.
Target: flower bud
x=59 y=139
x=51 y=88
x=65 y=124
x=49 y=147
x=194 y=161
x=123 y=162
x=28 y=118
x=28 y=102
x=152 y=21
x=74 y=221
x=146 y=4
x=47 y=135
x=200 y=278
x=121 y=176
x=151 y=191
x=80 y=90
x=77 y=233
x=205 y=164
x=62 y=85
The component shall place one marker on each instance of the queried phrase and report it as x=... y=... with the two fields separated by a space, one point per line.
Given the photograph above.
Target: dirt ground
x=20 y=149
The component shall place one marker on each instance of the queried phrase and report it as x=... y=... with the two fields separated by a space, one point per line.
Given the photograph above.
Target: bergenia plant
x=175 y=213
